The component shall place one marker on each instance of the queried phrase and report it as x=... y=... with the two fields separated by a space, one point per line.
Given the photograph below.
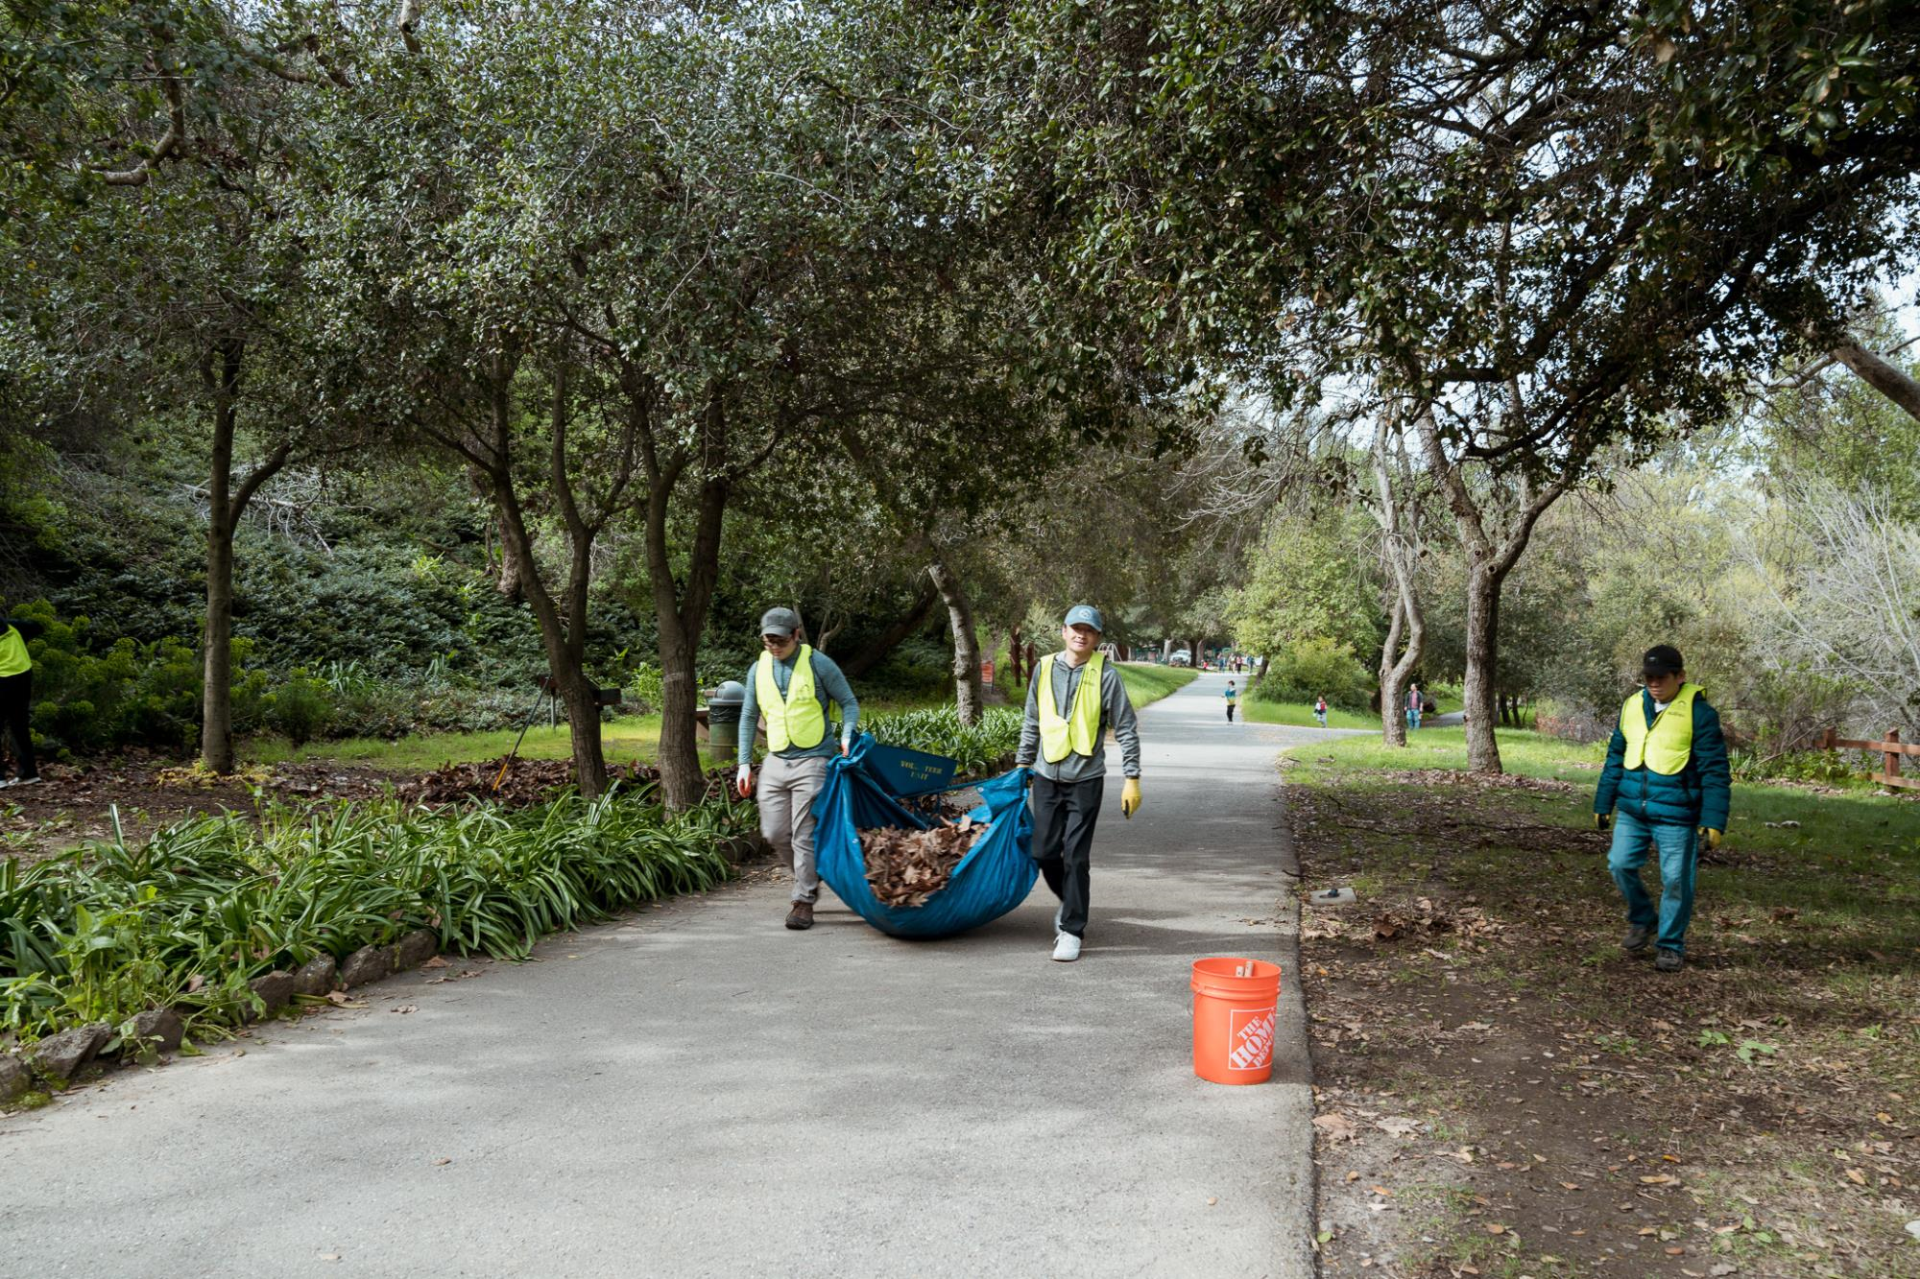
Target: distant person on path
x=791 y=685
x=1320 y=710
x=1232 y=697
x=16 y=695
x=1075 y=696
x=1414 y=704
x=1666 y=784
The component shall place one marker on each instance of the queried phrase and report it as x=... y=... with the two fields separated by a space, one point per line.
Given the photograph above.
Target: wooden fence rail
x=1890 y=751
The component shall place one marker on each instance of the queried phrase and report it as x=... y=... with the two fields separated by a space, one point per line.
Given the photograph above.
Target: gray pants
x=785 y=794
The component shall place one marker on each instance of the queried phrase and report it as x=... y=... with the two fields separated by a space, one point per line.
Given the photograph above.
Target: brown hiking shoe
x=801 y=916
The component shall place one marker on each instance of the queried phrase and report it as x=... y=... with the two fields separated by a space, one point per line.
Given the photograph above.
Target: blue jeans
x=1679 y=854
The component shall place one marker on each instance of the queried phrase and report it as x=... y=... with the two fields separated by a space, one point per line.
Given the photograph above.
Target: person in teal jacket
x=1667 y=785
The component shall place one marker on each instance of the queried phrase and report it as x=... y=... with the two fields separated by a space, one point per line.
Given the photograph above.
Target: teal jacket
x=1698 y=795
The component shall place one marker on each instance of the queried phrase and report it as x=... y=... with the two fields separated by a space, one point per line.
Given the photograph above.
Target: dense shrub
x=1307 y=669
x=128 y=694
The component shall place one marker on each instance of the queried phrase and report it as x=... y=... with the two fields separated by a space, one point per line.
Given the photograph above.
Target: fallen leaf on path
x=1397 y=1126
x=405 y=1008
x=438 y=961
x=441 y=1163
x=1336 y=1127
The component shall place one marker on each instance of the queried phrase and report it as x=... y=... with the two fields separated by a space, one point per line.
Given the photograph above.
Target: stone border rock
x=57 y=1060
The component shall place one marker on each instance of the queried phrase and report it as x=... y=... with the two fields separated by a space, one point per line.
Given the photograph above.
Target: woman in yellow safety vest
x=1666 y=785
x=16 y=694
x=1073 y=698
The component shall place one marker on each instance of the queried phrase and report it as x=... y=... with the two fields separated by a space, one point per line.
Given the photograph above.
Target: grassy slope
x=627 y=738
x=1147 y=683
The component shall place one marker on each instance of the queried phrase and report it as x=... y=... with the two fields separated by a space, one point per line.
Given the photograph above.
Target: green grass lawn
x=1147 y=683
x=627 y=738
x=631 y=737
x=1301 y=715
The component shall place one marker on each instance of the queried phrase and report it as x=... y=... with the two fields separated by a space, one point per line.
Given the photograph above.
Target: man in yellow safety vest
x=790 y=685
x=16 y=695
x=1666 y=785
x=1075 y=696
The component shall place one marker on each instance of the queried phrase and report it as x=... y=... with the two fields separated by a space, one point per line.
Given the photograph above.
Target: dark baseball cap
x=779 y=621
x=1662 y=659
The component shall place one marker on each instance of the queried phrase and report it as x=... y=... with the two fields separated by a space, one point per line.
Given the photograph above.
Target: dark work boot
x=801 y=916
x=1668 y=960
x=1635 y=942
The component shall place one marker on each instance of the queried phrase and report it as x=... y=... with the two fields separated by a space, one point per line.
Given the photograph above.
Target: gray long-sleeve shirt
x=1116 y=712
x=829 y=683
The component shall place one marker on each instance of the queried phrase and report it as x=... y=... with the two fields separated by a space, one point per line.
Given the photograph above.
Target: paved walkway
x=697 y=1091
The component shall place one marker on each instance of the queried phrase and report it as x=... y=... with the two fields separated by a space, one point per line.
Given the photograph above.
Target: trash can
x=723 y=721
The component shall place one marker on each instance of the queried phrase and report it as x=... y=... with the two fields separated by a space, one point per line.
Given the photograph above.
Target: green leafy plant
x=187 y=917
x=937 y=730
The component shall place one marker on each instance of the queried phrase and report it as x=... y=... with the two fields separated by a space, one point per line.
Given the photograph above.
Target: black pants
x=1064 y=814
x=1229 y=712
x=15 y=692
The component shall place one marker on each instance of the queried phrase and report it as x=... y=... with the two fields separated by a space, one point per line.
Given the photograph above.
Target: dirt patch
x=1501 y=1091
x=78 y=804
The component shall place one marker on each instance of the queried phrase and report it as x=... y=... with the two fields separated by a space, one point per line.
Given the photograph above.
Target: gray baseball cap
x=1086 y=615
x=779 y=621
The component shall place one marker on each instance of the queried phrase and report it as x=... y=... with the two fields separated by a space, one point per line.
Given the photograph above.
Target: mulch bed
x=1502 y=1092
x=76 y=804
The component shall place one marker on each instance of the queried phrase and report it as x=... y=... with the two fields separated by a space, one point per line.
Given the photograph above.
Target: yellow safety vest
x=1666 y=744
x=13 y=654
x=799 y=720
x=1078 y=732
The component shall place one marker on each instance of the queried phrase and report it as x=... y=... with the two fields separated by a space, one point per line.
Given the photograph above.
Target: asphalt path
x=694 y=1090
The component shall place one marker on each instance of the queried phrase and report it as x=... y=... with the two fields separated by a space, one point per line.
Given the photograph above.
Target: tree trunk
x=1014 y=669
x=680 y=609
x=1400 y=529
x=681 y=776
x=1884 y=377
x=907 y=624
x=216 y=688
x=221 y=375
x=1483 y=637
x=1393 y=726
x=966 y=646
x=508 y=583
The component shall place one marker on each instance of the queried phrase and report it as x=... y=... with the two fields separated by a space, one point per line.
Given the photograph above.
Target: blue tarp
x=995 y=876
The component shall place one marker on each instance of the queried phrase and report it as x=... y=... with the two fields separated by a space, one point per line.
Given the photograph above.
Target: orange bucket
x=1233 y=1019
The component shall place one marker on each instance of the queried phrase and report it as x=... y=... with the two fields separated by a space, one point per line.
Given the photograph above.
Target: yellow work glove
x=1601 y=821
x=1713 y=837
x=1130 y=798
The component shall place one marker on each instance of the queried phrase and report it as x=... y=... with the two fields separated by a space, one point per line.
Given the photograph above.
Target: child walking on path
x=1232 y=697
x=1320 y=710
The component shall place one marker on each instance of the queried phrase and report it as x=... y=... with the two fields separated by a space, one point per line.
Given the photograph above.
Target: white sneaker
x=1066 y=948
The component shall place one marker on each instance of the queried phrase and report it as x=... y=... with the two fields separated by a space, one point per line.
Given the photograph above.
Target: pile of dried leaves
x=905 y=867
x=527 y=781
